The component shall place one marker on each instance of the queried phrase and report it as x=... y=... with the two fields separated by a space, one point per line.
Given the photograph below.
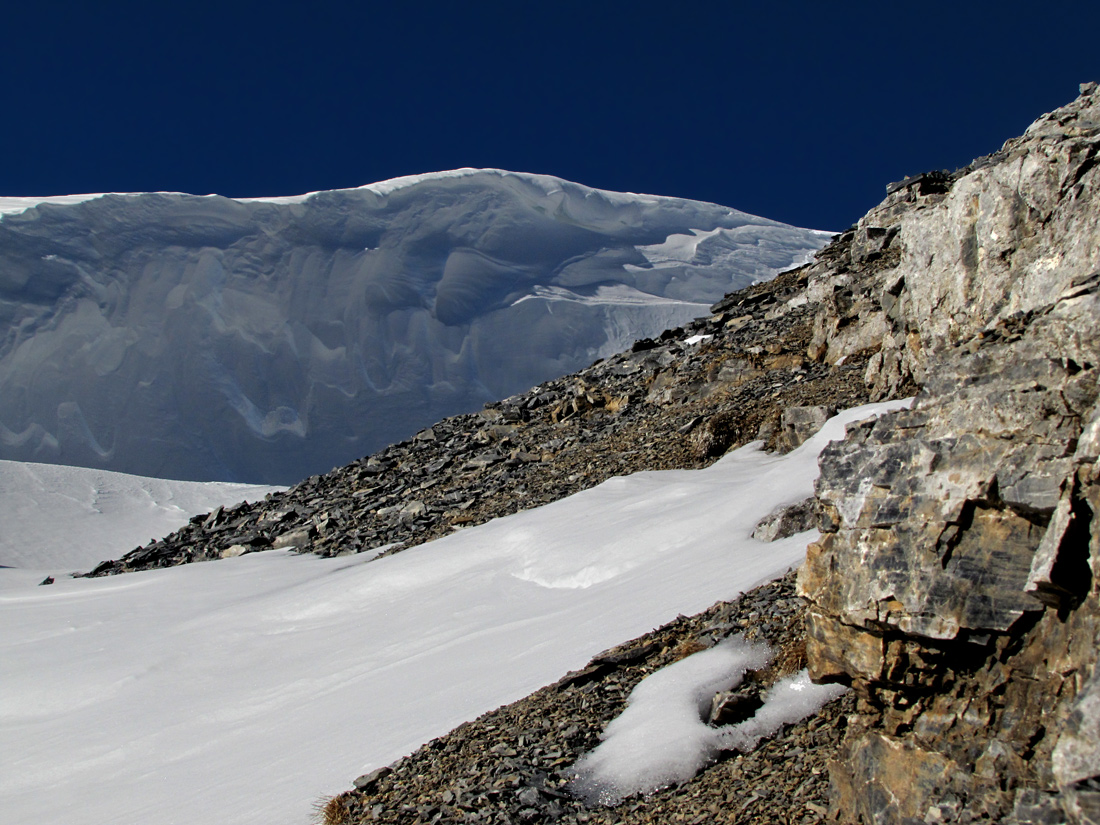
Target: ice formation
x=264 y=340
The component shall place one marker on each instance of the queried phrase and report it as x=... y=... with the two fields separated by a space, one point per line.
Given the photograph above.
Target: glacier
x=266 y=339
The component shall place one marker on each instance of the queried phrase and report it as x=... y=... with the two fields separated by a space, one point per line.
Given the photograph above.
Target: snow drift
x=263 y=340
x=661 y=738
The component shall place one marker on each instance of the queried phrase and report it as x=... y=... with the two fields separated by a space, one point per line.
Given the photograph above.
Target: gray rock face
x=206 y=338
x=956 y=583
x=1011 y=234
x=799 y=424
x=787 y=521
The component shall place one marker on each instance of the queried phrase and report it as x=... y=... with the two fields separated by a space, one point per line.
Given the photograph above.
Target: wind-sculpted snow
x=206 y=338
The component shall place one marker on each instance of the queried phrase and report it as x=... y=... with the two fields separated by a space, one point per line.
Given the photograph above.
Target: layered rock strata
x=955 y=585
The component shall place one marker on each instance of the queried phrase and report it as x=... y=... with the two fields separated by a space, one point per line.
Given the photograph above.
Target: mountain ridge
x=955 y=586
x=323 y=328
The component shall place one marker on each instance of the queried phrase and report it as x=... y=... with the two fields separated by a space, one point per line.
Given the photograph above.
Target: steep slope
x=956 y=585
x=212 y=339
x=674 y=403
x=235 y=691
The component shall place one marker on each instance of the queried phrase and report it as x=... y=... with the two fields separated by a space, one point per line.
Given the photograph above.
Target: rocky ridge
x=955 y=585
x=676 y=402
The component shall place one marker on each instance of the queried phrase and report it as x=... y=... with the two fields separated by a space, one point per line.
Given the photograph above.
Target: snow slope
x=264 y=340
x=72 y=518
x=240 y=691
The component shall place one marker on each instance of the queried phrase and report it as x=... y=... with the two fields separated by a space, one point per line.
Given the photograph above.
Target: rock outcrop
x=955 y=586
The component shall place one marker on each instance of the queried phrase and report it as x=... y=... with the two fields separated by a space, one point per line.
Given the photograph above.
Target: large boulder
x=955 y=585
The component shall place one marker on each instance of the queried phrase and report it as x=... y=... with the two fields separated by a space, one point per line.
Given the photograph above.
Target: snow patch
x=72 y=518
x=661 y=738
x=790 y=700
x=121 y=696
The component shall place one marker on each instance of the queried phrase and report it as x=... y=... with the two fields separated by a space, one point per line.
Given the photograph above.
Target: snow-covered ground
x=240 y=691
x=72 y=518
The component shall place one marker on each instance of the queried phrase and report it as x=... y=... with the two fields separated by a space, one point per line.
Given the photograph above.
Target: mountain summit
x=208 y=338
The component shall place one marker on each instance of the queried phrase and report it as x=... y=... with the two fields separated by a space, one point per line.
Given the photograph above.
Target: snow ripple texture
x=263 y=340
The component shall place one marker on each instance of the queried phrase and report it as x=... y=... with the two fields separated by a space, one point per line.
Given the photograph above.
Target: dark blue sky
x=795 y=111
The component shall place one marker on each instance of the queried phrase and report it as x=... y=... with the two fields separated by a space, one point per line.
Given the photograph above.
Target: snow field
x=72 y=518
x=323 y=327
x=241 y=691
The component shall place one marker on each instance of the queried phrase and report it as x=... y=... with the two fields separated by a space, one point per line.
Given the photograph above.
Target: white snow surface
x=661 y=738
x=264 y=340
x=15 y=205
x=241 y=691
x=789 y=700
x=72 y=518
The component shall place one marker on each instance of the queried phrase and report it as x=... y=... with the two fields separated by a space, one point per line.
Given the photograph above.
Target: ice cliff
x=264 y=340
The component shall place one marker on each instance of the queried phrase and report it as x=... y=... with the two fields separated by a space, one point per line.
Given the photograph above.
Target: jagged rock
x=955 y=584
x=298 y=539
x=1006 y=235
x=1076 y=757
x=799 y=424
x=716 y=434
x=787 y=521
x=729 y=708
x=367 y=781
x=881 y=780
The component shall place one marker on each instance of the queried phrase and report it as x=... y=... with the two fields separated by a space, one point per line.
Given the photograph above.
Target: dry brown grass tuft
x=686 y=648
x=789 y=659
x=333 y=811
